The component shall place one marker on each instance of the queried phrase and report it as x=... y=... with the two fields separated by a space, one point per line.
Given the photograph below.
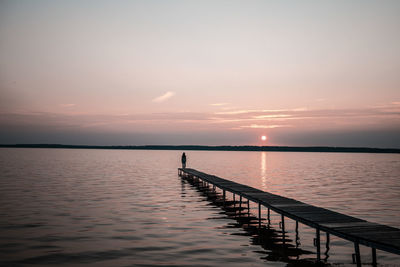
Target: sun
x=263 y=138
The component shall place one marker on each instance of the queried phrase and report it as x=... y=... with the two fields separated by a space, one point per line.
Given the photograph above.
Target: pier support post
x=269 y=216
x=248 y=207
x=374 y=262
x=328 y=240
x=297 y=235
x=240 y=205
x=282 y=225
x=356 y=255
x=259 y=215
x=317 y=243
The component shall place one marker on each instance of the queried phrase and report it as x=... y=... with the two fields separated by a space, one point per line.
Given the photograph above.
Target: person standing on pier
x=183 y=160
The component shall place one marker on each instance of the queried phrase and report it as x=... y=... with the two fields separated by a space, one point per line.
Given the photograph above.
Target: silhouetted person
x=183 y=160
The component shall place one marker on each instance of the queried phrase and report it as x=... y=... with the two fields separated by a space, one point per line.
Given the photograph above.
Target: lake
x=87 y=207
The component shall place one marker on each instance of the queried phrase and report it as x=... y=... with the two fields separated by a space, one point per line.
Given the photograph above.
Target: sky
x=302 y=73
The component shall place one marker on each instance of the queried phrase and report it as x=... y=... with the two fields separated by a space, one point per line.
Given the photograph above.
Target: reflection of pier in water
x=275 y=242
x=356 y=230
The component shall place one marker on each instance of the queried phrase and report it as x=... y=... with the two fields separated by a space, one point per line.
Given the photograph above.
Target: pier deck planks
x=374 y=235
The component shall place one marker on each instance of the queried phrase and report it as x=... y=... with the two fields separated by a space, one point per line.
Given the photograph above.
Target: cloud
x=247 y=111
x=257 y=126
x=164 y=97
x=272 y=116
x=375 y=126
x=67 y=105
x=219 y=104
x=301 y=118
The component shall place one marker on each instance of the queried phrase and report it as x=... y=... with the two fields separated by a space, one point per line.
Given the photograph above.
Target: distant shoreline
x=217 y=148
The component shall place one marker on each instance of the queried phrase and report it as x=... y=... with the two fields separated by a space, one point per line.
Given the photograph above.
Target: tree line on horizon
x=216 y=148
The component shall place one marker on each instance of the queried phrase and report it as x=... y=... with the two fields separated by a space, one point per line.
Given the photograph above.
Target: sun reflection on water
x=263 y=170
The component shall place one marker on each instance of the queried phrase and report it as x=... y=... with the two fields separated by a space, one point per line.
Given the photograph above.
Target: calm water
x=129 y=208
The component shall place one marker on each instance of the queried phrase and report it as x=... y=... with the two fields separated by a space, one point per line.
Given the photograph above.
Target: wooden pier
x=358 y=231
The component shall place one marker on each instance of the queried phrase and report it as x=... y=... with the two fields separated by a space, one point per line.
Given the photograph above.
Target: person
x=183 y=160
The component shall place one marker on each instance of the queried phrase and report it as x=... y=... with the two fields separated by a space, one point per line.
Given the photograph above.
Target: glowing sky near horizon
x=200 y=72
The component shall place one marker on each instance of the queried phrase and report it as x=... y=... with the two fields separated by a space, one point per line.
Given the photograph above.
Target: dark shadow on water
x=274 y=245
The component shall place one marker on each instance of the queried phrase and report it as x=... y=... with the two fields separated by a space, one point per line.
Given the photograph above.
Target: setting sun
x=264 y=138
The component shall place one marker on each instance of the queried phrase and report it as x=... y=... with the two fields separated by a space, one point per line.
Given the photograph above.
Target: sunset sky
x=200 y=72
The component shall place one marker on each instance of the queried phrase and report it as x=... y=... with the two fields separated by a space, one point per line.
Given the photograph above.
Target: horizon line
x=215 y=148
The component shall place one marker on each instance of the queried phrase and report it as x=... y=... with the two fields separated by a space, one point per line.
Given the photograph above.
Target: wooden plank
x=378 y=235
x=366 y=228
x=346 y=224
x=291 y=205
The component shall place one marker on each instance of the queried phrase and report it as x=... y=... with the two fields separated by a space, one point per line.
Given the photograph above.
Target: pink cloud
x=164 y=97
